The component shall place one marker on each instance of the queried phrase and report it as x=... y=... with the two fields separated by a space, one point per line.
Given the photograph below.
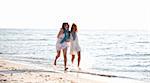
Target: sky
x=87 y=14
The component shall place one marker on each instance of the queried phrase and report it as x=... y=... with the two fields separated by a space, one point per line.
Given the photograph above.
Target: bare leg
x=65 y=58
x=79 y=58
x=58 y=55
x=72 y=60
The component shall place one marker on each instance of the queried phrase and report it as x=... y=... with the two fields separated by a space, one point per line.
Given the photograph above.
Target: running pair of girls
x=65 y=37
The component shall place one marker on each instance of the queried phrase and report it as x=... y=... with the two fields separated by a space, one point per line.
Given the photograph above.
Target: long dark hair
x=63 y=25
x=74 y=26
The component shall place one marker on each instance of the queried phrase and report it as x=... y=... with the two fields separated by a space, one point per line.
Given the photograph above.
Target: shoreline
x=13 y=72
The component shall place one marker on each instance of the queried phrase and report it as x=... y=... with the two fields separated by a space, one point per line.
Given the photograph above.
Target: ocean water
x=120 y=53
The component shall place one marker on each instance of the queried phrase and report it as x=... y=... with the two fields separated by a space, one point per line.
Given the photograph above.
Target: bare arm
x=60 y=31
x=58 y=34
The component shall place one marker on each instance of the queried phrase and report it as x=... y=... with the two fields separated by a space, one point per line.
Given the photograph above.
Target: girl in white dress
x=74 y=44
x=62 y=44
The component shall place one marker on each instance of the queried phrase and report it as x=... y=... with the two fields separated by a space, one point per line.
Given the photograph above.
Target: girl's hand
x=68 y=40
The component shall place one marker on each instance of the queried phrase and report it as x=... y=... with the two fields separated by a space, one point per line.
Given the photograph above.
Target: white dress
x=59 y=45
x=74 y=45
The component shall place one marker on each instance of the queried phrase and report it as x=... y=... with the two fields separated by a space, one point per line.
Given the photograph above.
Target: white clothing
x=59 y=45
x=74 y=45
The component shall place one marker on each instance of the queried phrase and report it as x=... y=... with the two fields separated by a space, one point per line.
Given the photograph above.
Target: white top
x=74 y=45
x=59 y=45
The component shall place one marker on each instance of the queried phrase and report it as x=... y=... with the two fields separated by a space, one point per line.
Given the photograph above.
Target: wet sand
x=19 y=73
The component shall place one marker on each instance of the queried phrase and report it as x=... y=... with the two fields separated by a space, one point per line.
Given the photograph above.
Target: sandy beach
x=19 y=73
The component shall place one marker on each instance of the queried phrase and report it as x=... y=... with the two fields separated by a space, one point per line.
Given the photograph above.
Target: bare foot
x=55 y=63
x=66 y=69
x=79 y=68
